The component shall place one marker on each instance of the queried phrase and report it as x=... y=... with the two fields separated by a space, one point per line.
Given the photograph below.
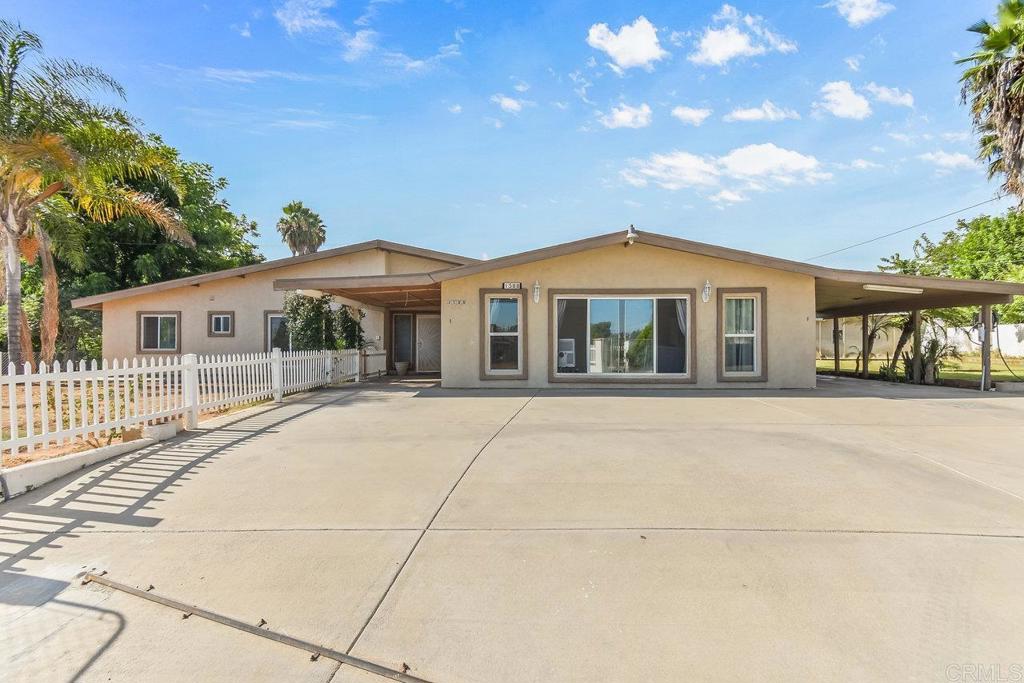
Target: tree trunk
x=12 y=283
x=51 y=302
x=26 y=341
x=908 y=329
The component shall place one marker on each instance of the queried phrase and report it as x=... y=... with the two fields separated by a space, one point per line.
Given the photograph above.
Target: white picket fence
x=55 y=406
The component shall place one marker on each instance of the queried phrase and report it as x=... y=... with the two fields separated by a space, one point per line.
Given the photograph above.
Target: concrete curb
x=1010 y=387
x=32 y=475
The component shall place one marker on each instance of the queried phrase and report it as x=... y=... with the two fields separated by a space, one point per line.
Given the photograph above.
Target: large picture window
x=741 y=334
x=503 y=323
x=158 y=332
x=619 y=335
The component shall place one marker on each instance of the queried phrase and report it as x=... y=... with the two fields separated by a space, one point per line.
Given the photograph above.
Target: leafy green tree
x=60 y=152
x=349 y=328
x=310 y=322
x=993 y=85
x=301 y=228
x=98 y=256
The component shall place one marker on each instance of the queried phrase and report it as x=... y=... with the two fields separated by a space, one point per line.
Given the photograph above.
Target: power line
x=916 y=225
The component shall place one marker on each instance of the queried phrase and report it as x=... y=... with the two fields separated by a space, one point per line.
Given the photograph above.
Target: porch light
x=631 y=235
x=536 y=291
x=705 y=294
x=894 y=289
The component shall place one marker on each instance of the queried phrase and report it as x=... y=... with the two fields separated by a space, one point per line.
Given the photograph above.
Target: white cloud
x=887 y=95
x=582 y=85
x=509 y=104
x=497 y=123
x=625 y=116
x=455 y=108
x=690 y=115
x=863 y=165
x=728 y=196
x=840 y=99
x=506 y=199
x=521 y=86
x=901 y=137
x=402 y=61
x=242 y=29
x=877 y=149
x=738 y=36
x=560 y=105
x=631 y=202
x=635 y=45
x=860 y=12
x=853 y=63
x=301 y=16
x=768 y=111
x=946 y=162
x=758 y=167
x=360 y=45
x=250 y=75
x=956 y=137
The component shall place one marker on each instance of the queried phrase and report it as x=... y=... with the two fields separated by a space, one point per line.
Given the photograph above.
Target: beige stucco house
x=617 y=310
x=238 y=310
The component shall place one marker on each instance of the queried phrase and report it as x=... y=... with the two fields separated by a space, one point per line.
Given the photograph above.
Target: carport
x=848 y=293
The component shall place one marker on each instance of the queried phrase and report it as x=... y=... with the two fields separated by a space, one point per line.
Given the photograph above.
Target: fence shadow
x=120 y=493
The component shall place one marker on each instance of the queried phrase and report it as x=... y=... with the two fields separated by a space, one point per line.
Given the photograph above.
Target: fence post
x=329 y=362
x=277 y=374
x=190 y=389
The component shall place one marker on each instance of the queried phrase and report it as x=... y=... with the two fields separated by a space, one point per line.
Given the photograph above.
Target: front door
x=428 y=343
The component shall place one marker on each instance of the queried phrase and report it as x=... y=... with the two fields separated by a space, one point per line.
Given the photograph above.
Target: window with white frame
x=622 y=335
x=741 y=335
x=158 y=332
x=277 y=334
x=222 y=324
x=504 y=343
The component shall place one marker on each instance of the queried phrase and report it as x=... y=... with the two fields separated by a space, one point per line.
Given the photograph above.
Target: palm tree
x=993 y=85
x=302 y=229
x=60 y=154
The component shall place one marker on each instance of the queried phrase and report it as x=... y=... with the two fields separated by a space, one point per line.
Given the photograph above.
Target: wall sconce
x=705 y=294
x=536 y=291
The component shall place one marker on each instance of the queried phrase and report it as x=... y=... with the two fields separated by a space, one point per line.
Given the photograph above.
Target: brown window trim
x=177 y=333
x=209 y=324
x=485 y=342
x=761 y=292
x=655 y=293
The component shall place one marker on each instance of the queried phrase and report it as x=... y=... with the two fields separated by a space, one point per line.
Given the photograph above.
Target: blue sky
x=788 y=128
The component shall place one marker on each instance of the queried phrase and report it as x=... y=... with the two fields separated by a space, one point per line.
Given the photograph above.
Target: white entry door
x=428 y=343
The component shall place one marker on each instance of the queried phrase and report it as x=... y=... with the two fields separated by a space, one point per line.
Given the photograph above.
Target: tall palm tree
x=60 y=153
x=301 y=229
x=993 y=85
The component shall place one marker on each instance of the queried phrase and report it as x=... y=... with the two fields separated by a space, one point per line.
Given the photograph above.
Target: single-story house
x=238 y=310
x=627 y=308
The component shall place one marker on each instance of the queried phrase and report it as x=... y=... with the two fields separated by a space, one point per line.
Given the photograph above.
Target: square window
x=158 y=332
x=222 y=324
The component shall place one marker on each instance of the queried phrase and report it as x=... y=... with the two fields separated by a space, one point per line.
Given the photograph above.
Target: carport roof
x=838 y=292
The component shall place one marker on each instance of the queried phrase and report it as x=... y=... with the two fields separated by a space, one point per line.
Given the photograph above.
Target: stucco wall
x=790 y=311
x=248 y=297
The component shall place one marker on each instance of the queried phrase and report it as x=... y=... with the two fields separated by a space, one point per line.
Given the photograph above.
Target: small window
x=222 y=324
x=277 y=335
x=158 y=332
x=741 y=332
x=503 y=339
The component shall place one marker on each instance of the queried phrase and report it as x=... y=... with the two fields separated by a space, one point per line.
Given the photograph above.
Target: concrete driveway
x=858 y=532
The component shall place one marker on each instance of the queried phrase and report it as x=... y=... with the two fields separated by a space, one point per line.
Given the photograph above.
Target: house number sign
x=511 y=285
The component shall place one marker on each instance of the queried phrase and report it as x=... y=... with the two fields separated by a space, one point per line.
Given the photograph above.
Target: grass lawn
x=968 y=367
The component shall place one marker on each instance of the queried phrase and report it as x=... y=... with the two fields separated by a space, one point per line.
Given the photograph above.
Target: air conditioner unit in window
x=566 y=353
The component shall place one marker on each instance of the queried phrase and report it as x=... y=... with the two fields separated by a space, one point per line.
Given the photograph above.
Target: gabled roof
x=96 y=300
x=838 y=291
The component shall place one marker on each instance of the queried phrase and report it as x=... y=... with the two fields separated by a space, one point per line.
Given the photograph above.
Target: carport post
x=277 y=374
x=986 y=347
x=915 y=320
x=835 y=342
x=865 y=364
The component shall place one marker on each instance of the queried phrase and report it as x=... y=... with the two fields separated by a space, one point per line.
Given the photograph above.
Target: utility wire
x=896 y=232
